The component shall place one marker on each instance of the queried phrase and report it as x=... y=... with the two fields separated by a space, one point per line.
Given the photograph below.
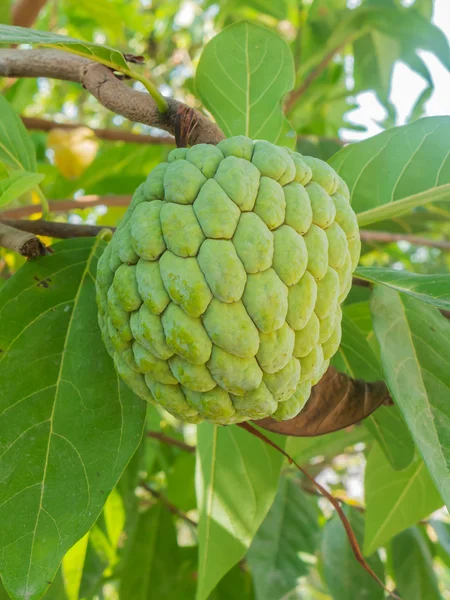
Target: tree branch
x=295 y=95
x=389 y=238
x=25 y=244
x=114 y=94
x=115 y=135
x=25 y=12
x=170 y=507
x=333 y=501
x=54 y=229
x=66 y=205
x=170 y=441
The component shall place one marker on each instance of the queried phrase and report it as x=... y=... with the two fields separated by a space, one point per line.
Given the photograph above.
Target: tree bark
x=114 y=94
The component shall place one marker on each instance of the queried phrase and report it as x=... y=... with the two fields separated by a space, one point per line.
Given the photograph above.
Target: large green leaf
x=434 y=289
x=114 y=59
x=395 y=500
x=412 y=564
x=16 y=147
x=17 y=184
x=303 y=449
x=388 y=428
x=156 y=567
x=291 y=527
x=415 y=344
x=343 y=574
x=242 y=77
x=100 y=53
x=356 y=357
x=397 y=170
x=69 y=425
x=236 y=481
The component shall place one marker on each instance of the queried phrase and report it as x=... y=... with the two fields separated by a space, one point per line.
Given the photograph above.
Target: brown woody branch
x=62 y=206
x=53 y=229
x=113 y=93
x=25 y=12
x=389 y=238
x=25 y=244
x=113 y=135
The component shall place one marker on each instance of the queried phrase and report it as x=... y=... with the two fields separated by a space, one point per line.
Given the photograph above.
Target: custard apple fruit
x=219 y=294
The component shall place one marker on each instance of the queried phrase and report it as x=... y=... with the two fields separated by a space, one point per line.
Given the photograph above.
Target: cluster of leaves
x=233 y=519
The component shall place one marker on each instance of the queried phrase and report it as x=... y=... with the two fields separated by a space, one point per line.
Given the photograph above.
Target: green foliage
x=432 y=289
x=412 y=564
x=242 y=77
x=16 y=184
x=415 y=162
x=395 y=500
x=71 y=417
x=290 y=528
x=16 y=147
x=342 y=572
x=89 y=509
x=230 y=459
x=415 y=342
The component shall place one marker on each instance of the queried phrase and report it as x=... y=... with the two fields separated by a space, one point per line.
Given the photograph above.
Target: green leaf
x=343 y=574
x=442 y=531
x=72 y=568
x=412 y=564
x=63 y=408
x=180 y=482
x=395 y=500
x=291 y=527
x=433 y=289
x=156 y=566
x=415 y=343
x=414 y=162
x=356 y=357
x=101 y=53
x=375 y=55
x=236 y=481
x=388 y=428
x=18 y=183
x=243 y=74
x=5 y=11
x=16 y=147
x=307 y=448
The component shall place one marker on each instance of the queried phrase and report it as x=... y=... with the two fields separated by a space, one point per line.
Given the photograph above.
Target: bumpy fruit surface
x=219 y=294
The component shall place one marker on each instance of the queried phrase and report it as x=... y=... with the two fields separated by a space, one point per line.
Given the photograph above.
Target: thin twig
x=348 y=528
x=389 y=238
x=61 y=206
x=115 y=135
x=295 y=95
x=165 y=439
x=170 y=507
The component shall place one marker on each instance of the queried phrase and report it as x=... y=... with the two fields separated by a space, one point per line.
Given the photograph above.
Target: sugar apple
x=219 y=294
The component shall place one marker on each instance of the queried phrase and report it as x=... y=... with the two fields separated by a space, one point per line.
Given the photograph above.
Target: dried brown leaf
x=336 y=402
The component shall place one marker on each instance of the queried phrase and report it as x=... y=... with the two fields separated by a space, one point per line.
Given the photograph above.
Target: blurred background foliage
x=144 y=544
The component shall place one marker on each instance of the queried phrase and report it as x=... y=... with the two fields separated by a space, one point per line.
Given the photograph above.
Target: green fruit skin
x=220 y=293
